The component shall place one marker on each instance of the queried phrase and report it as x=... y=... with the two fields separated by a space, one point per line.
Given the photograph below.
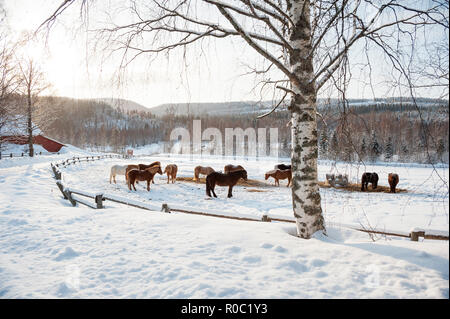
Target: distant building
x=15 y=132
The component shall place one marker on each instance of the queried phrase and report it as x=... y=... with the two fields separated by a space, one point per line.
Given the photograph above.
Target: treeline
x=369 y=133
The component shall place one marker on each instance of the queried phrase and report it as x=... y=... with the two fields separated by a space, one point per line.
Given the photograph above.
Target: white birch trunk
x=305 y=189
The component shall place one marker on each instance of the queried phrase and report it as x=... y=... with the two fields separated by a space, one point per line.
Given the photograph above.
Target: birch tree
x=308 y=43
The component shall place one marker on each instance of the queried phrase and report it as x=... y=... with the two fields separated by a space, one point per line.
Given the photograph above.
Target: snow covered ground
x=50 y=249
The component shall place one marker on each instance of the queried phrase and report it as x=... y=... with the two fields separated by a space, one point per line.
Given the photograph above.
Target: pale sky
x=214 y=76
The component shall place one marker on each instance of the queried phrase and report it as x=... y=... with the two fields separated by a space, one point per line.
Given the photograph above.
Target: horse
x=204 y=170
x=278 y=174
x=142 y=175
x=232 y=168
x=282 y=166
x=117 y=170
x=129 y=168
x=140 y=167
x=171 y=171
x=229 y=179
x=393 y=181
x=143 y=166
x=369 y=178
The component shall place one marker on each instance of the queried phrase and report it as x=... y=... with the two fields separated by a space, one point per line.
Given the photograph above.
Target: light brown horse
x=278 y=174
x=171 y=171
x=142 y=175
x=229 y=179
x=393 y=180
x=204 y=170
x=232 y=168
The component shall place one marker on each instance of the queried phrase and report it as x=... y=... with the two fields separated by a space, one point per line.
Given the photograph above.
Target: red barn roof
x=15 y=131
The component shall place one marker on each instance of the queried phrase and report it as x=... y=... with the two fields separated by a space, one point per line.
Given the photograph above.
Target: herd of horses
x=142 y=172
x=232 y=174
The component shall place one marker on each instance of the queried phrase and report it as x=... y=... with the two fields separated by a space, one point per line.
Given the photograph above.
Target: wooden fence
x=22 y=154
x=73 y=195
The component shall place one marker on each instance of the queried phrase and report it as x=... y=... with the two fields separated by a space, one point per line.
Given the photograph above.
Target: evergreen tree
x=375 y=148
x=324 y=144
x=334 y=147
x=389 y=150
x=363 y=150
x=440 y=148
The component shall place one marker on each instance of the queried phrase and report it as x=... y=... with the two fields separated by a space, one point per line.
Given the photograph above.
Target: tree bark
x=30 y=124
x=305 y=189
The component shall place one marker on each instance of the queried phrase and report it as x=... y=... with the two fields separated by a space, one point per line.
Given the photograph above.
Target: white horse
x=117 y=170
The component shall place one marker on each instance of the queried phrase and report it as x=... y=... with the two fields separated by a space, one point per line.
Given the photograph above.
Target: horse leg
x=230 y=191
x=212 y=189
x=208 y=190
x=148 y=185
x=289 y=181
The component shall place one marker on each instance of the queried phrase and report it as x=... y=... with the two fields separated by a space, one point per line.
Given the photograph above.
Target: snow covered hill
x=50 y=249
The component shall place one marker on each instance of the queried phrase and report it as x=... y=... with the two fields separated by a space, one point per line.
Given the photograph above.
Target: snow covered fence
x=73 y=194
x=22 y=154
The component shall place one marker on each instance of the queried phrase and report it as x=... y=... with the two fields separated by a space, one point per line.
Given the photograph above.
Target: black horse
x=229 y=179
x=369 y=178
x=282 y=166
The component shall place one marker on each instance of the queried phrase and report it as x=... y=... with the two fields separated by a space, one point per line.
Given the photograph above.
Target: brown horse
x=143 y=166
x=369 y=178
x=278 y=174
x=282 y=166
x=144 y=175
x=204 y=170
x=171 y=171
x=228 y=179
x=393 y=180
x=232 y=168
x=129 y=168
x=140 y=167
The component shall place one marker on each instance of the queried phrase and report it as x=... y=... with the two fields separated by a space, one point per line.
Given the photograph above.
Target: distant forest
x=382 y=131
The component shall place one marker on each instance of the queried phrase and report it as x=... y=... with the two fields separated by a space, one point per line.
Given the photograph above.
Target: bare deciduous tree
x=306 y=41
x=8 y=82
x=32 y=84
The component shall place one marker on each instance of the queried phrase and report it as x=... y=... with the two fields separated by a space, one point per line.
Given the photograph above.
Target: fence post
x=61 y=188
x=99 y=200
x=69 y=196
x=416 y=234
x=165 y=208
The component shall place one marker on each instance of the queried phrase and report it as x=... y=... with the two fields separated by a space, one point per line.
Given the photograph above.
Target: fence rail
x=73 y=194
x=21 y=154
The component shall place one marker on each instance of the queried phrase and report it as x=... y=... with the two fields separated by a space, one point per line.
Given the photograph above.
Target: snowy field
x=50 y=249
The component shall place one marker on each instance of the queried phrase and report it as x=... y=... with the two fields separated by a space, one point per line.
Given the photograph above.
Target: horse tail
x=110 y=175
